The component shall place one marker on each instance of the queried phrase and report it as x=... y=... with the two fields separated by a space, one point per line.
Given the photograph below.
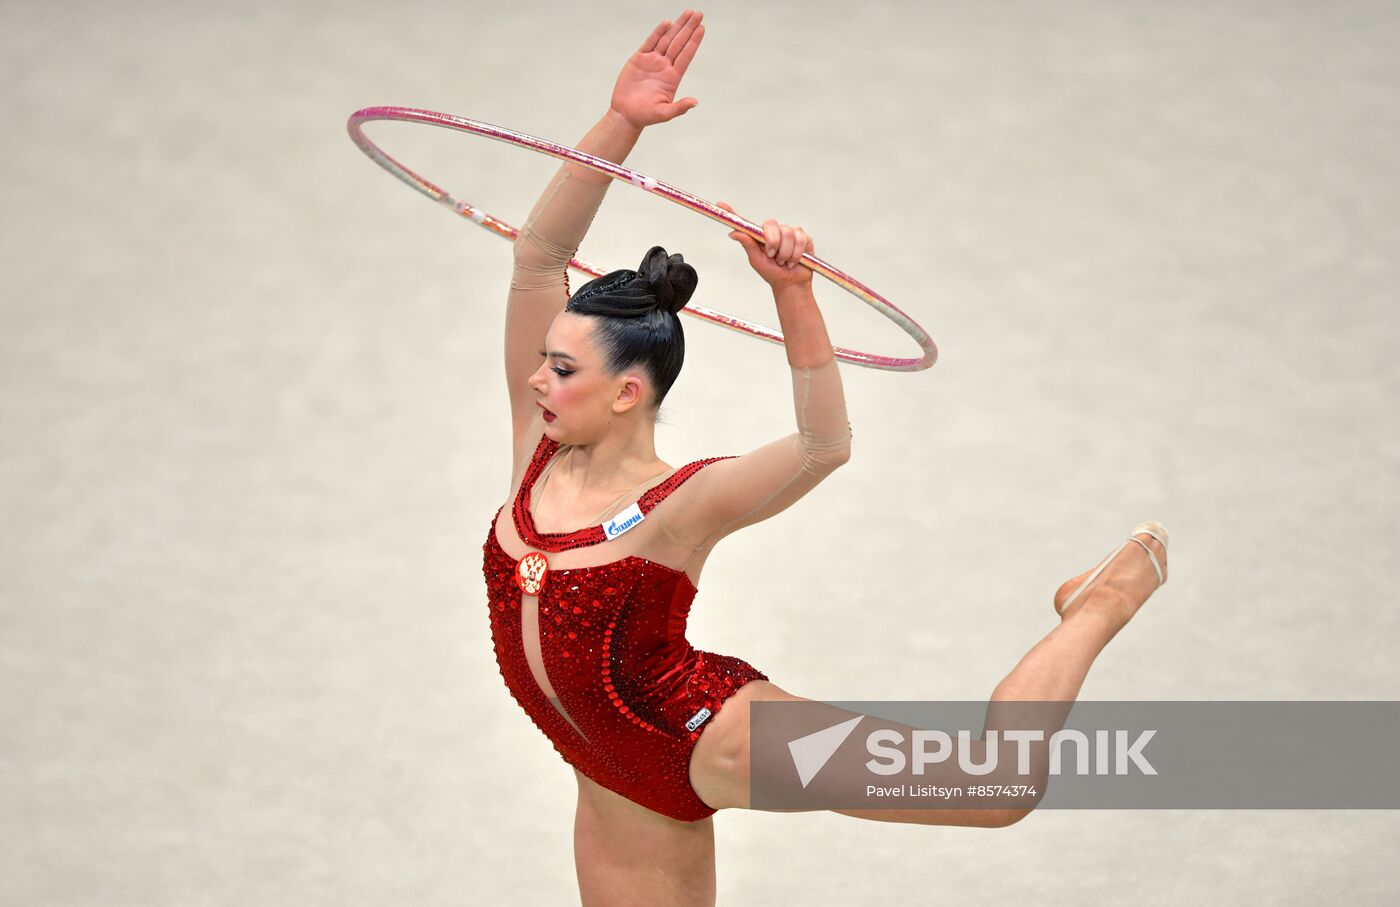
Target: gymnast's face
x=573 y=385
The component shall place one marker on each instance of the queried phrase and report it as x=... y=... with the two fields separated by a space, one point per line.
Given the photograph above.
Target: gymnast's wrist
x=799 y=294
x=619 y=121
x=612 y=139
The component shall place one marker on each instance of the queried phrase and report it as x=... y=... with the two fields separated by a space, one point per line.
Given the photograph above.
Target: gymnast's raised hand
x=776 y=259
x=646 y=88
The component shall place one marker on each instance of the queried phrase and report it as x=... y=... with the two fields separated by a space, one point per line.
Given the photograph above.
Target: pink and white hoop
x=647 y=184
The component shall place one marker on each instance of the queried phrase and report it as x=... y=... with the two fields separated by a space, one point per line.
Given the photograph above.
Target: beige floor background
x=254 y=424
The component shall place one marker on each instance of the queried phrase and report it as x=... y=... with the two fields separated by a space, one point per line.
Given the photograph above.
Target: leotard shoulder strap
x=589 y=535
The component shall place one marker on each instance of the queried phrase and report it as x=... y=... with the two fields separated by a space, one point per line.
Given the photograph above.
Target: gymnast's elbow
x=526 y=250
x=538 y=261
x=820 y=458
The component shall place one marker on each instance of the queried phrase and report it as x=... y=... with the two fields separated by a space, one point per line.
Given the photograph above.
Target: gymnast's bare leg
x=626 y=854
x=1052 y=671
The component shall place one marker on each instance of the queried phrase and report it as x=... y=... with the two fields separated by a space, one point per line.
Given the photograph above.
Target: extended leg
x=1052 y=673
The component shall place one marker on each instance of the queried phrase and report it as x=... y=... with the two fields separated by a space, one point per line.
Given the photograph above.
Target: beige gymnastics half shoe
x=1156 y=530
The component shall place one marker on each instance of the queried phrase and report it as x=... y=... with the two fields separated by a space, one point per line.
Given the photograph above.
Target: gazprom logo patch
x=623 y=521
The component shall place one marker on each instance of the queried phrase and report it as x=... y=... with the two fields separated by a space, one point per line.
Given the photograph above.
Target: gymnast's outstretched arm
x=539 y=288
x=738 y=492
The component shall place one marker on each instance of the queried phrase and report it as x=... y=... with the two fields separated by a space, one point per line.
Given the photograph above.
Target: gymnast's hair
x=638 y=318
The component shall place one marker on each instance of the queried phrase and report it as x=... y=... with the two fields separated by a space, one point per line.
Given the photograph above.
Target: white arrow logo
x=810 y=753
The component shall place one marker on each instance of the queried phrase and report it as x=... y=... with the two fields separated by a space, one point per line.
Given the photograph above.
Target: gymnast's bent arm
x=556 y=226
x=733 y=493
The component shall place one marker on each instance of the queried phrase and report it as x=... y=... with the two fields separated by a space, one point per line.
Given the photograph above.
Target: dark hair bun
x=672 y=281
x=662 y=283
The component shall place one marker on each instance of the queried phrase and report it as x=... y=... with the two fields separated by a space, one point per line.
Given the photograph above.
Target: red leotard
x=633 y=693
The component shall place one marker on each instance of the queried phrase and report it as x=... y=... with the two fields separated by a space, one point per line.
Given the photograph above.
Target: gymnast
x=588 y=624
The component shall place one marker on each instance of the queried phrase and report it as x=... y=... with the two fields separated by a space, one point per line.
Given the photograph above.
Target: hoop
x=656 y=187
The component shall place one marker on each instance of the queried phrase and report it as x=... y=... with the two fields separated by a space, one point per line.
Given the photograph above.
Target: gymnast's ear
x=631 y=389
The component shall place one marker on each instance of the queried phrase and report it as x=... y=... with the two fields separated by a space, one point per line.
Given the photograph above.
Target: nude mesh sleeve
x=745 y=490
x=554 y=230
x=822 y=426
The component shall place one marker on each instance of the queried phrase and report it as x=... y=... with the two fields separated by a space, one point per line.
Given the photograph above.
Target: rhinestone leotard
x=633 y=694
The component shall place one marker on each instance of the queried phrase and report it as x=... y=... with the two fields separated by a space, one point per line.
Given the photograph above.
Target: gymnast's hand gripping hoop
x=647 y=184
